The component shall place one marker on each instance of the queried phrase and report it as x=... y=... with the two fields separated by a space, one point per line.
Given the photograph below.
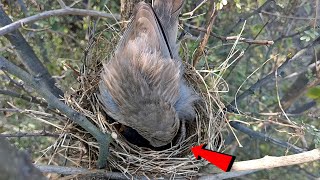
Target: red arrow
x=221 y=160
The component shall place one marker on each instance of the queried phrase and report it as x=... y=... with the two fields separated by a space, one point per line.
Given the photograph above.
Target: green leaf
x=302 y=38
x=238 y=6
x=219 y=6
x=314 y=93
x=305 y=38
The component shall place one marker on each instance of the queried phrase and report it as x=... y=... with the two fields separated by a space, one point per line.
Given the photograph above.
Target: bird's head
x=156 y=121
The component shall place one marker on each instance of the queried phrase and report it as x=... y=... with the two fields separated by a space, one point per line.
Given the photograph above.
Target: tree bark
x=16 y=164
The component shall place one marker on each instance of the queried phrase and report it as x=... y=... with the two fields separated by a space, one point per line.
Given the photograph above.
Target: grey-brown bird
x=142 y=86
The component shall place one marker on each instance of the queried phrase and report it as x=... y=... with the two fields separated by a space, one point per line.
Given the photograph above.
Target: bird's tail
x=168 y=12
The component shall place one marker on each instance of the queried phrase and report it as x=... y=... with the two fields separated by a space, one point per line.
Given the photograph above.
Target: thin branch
x=196 y=8
x=58 y=12
x=234 y=65
x=40 y=87
x=289 y=17
x=28 y=134
x=246 y=16
x=204 y=42
x=26 y=111
x=24 y=97
x=265 y=137
x=228 y=38
x=226 y=175
x=39 y=41
x=28 y=56
x=14 y=82
x=291 y=35
x=270 y=77
x=80 y=171
x=269 y=162
x=304 y=107
x=62 y=4
x=303 y=70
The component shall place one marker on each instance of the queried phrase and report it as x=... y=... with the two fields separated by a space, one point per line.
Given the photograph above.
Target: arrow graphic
x=221 y=160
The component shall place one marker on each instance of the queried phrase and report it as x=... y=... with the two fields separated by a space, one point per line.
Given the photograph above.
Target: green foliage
x=314 y=93
x=309 y=35
x=313 y=130
x=221 y=3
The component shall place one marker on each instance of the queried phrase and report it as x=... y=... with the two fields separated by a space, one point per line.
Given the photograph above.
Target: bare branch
x=196 y=8
x=228 y=38
x=247 y=167
x=24 y=97
x=28 y=56
x=226 y=175
x=25 y=134
x=271 y=77
x=9 y=27
x=304 y=107
x=97 y=174
x=40 y=87
x=265 y=137
x=16 y=164
x=246 y=16
x=269 y=162
x=62 y=4
x=200 y=49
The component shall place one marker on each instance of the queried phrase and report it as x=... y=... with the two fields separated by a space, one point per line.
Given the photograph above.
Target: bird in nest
x=142 y=86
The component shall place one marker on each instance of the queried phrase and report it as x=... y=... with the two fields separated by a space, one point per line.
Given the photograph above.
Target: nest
x=81 y=149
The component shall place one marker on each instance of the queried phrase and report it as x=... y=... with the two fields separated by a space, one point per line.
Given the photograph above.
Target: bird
x=142 y=85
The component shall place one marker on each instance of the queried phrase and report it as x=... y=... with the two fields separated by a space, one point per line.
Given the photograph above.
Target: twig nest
x=176 y=160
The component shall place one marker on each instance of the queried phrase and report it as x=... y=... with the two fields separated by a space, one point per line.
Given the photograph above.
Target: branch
x=271 y=77
x=16 y=164
x=228 y=38
x=300 y=85
x=204 y=42
x=234 y=65
x=226 y=175
x=245 y=17
x=281 y=37
x=296 y=90
x=58 y=12
x=24 y=97
x=40 y=87
x=265 y=137
x=247 y=167
x=303 y=70
x=238 y=169
x=269 y=162
x=304 y=107
x=81 y=172
x=28 y=56
x=25 y=134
